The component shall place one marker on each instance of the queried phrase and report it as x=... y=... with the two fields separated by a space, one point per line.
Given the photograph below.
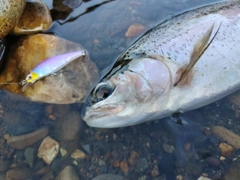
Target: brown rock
x=233 y=172
x=124 y=166
x=23 y=141
x=35 y=18
x=133 y=158
x=226 y=150
x=64 y=88
x=116 y=164
x=48 y=150
x=10 y=13
x=78 y=154
x=155 y=171
x=227 y=135
x=134 y=30
x=67 y=173
x=19 y=174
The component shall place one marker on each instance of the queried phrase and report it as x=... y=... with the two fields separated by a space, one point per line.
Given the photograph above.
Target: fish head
x=127 y=97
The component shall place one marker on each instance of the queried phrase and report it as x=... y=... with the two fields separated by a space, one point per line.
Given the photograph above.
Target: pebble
x=155 y=171
x=226 y=150
x=233 y=172
x=23 y=141
x=124 y=166
x=4 y=164
x=10 y=13
x=35 y=18
x=78 y=154
x=48 y=150
x=109 y=177
x=229 y=136
x=134 y=30
x=116 y=164
x=141 y=165
x=30 y=155
x=203 y=178
x=63 y=152
x=19 y=174
x=67 y=173
x=101 y=162
x=133 y=158
x=167 y=148
x=68 y=126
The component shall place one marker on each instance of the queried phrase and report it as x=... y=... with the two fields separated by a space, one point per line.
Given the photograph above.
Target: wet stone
x=124 y=166
x=226 y=150
x=19 y=174
x=227 y=135
x=48 y=176
x=133 y=158
x=30 y=155
x=134 y=30
x=35 y=18
x=71 y=85
x=23 y=141
x=213 y=161
x=203 y=178
x=78 y=154
x=233 y=173
x=10 y=13
x=109 y=177
x=68 y=126
x=141 y=165
x=48 y=150
x=155 y=171
x=67 y=173
x=194 y=168
x=4 y=164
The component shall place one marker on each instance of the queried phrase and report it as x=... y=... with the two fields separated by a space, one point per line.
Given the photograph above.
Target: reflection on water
x=146 y=151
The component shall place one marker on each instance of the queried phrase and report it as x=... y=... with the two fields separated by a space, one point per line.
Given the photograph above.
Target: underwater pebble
x=226 y=150
x=10 y=13
x=78 y=154
x=23 y=141
x=19 y=174
x=167 y=148
x=36 y=17
x=134 y=30
x=48 y=150
x=227 y=135
x=141 y=165
x=63 y=152
x=155 y=171
x=4 y=164
x=203 y=178
x=30 y=155
x=124 y=166
x=133 y=158
x=109 y=177
x=233 y=172
x=67 y=173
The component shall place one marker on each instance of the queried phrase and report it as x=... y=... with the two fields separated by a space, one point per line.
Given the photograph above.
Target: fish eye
x=101 y=92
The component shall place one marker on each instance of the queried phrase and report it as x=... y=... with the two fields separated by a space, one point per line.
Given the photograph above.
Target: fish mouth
x=95 y=112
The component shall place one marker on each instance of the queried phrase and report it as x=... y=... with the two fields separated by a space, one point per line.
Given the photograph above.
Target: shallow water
x=100 y=28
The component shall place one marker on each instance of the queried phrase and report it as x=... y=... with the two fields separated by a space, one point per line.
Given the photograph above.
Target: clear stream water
x=100 y=27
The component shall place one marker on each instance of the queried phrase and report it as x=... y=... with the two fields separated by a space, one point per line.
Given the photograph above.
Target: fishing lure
x=51 y=65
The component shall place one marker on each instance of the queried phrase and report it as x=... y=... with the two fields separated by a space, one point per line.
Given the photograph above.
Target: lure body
x=51 y=66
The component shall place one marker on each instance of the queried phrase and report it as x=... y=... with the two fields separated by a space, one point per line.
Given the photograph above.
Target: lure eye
x=101 y=92
x=29 y=77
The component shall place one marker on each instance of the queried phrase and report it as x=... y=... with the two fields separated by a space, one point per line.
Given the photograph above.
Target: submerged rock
x=23 y=141
x=35 y=18
x=71 y=86
x=67 y=173
x=10 y=13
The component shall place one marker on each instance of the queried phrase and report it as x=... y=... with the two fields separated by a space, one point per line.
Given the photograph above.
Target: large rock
x=35 y=18
x=10 y=13
x=64 y=88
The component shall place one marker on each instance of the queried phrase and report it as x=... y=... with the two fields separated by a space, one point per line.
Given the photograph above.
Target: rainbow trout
x=182 y=64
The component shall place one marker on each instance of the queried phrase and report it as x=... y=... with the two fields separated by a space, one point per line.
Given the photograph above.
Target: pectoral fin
x=198 y=50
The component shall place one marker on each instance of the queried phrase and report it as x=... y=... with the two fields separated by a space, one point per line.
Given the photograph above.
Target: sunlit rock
x=35 y=18
x=70 y=86
x=10 y=13
x=48 y=150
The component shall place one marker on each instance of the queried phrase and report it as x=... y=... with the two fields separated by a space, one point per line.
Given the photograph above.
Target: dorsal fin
x=198 y=50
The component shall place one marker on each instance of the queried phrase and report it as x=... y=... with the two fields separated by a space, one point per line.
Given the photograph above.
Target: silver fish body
x=140 y=87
